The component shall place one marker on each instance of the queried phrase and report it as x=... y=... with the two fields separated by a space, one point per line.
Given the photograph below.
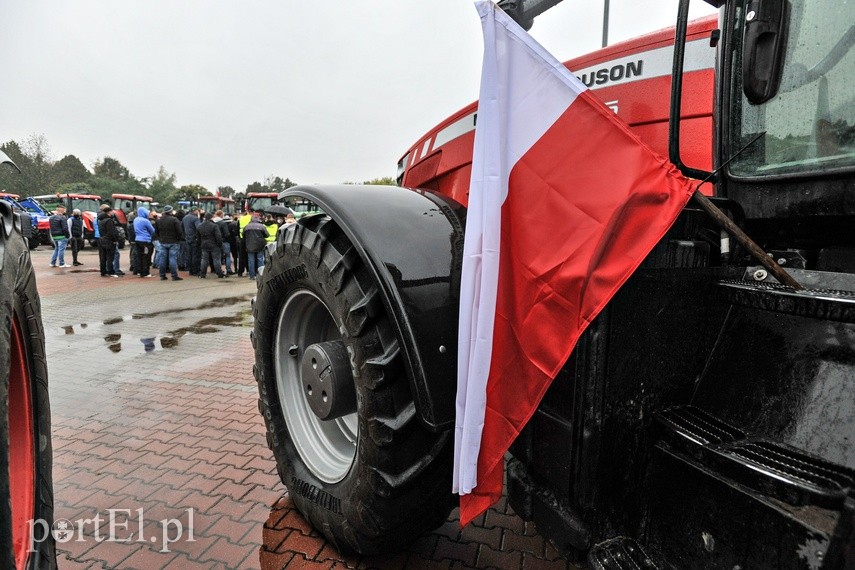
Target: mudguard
x=412 y=241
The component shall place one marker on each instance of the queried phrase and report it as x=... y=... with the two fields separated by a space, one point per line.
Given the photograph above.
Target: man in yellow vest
x=242 y=222
x=272 y=227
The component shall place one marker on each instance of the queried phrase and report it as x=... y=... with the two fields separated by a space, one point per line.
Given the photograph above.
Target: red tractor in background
x=88 y=205
x=211 y=204
x=124 y=205
x=260 y=201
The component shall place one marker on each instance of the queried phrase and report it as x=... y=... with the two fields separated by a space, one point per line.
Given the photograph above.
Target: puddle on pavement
x=121 y=344
x=171 y=338
x=210 y=304
x=117 y=320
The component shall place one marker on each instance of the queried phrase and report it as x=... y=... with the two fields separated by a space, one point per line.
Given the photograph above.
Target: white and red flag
x=565 y=202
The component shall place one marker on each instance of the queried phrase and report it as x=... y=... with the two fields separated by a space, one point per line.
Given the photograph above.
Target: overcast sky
x=227 y=93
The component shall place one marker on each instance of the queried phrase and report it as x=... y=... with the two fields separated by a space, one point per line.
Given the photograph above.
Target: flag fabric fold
x=565 y=202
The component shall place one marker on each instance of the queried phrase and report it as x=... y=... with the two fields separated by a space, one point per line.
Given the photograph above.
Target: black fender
x=412 y=241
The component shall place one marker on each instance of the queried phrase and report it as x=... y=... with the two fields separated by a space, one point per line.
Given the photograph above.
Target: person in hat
x=143 y=234
x=107 y=242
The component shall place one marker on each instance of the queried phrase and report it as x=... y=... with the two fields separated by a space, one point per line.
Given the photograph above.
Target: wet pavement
x=160 y=459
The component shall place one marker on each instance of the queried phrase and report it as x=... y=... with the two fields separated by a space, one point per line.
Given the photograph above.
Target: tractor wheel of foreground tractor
x=336 y=398
x=26 y=487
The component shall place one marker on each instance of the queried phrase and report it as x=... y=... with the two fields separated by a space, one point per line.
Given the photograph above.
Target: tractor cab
x=260 y=201
x=125 y=204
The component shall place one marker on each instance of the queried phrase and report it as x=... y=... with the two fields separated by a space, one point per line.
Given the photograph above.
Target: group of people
x=197 y=242
x=194 y=241
x=65 y=230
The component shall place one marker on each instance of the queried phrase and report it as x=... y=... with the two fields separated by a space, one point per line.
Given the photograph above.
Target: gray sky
x=226 y=93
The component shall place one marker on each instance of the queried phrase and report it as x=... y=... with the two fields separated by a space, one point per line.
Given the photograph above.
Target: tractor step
x=813 y=480
x=620 y=554
x=697 y=427
x=816 y=302
x=769 y=467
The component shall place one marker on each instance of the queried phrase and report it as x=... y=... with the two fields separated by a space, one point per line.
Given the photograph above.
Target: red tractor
x=260 y=201
x=704 y=418
x=88 y=204
x=211 y=204
x=124 y=205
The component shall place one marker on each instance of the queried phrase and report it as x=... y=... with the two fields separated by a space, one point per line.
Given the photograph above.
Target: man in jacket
x=107 y=242
x=272 y=227
x=211 y=244
x=75 y=229
x=60 y=234
x=171 y=236
x=226 y=230
x=117 y=252
x=255 y=238
x=143 y=232
x=241 y=253
x=194 y=255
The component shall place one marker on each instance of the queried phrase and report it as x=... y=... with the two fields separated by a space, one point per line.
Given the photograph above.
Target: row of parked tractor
x=41 y=207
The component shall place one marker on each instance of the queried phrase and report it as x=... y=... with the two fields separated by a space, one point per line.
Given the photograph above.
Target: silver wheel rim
x=328 y=448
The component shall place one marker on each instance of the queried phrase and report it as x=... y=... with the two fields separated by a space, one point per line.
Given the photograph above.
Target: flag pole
x=749 y=244
x=727 y=225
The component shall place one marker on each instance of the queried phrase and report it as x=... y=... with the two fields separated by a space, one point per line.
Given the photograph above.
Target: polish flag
x=565 y=202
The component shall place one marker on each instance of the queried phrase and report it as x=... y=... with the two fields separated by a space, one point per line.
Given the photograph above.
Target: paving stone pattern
x=155 y=416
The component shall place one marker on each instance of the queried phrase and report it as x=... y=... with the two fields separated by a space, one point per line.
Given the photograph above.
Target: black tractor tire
x=26 y=483
x=396 y=484
x=33 y=242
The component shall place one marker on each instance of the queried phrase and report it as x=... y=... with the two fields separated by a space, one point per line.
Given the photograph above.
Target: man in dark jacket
x=210 y=240
x=255 y=238
x=224 y=223
x=171 y=236
x=59 y=234
x=143 y=233
x=109 y=237
x=75 y=228
x=194 y=255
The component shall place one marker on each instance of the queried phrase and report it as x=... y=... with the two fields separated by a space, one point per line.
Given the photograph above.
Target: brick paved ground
x=154 y=408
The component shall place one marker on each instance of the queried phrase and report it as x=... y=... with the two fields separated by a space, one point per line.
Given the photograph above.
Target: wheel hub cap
x=327 y=380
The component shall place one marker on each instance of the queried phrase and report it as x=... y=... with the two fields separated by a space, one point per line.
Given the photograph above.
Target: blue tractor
x=36 y=215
